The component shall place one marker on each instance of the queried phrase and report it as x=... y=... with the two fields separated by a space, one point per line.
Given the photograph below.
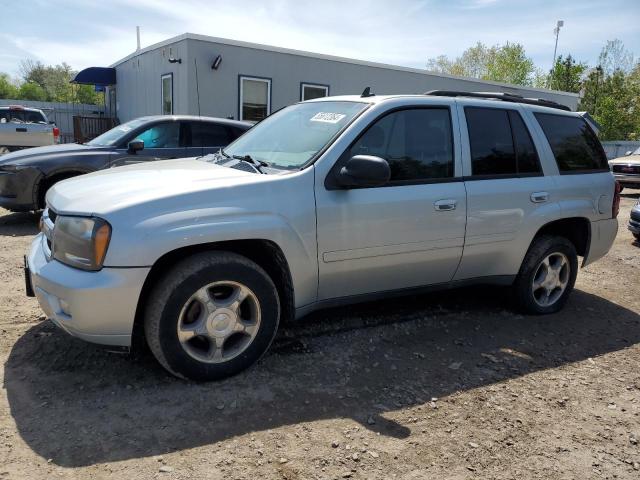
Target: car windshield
x=636 y=151
x=112 y=137
x=291 y=137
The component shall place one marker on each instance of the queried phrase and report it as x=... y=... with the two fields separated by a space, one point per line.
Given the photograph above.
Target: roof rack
x=505 y=97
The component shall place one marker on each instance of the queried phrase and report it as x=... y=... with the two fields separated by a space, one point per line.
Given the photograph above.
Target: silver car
x=326 y=202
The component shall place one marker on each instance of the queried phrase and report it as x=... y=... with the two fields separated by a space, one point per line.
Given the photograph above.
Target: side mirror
x=628 y=153
x=364 y=171
x=135 y=145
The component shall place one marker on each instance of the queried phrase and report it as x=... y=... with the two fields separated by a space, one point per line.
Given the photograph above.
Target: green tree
x=501 y=63
x=566 y=74
x=7 y=88
x=32 y=91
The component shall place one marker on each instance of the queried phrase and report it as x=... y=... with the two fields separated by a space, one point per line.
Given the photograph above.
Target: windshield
x=294 y=135
x=113 y=136
x=637 y=151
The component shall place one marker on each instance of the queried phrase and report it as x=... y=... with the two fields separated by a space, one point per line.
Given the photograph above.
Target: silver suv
x=326 y=202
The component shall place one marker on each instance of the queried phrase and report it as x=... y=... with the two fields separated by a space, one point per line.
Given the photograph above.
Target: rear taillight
x=56 y=135
x=615 y=208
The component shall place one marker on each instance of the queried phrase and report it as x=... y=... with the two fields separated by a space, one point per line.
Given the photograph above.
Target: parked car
x=634 y=221
x=22 y=127
x=26 y=175
x=627 y=169
x=326 y=202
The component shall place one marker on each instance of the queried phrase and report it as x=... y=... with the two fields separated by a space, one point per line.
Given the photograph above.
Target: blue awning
x=96 y=76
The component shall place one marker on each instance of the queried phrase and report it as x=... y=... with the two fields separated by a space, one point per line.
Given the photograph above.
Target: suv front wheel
x=212 y=316
x=547 y=275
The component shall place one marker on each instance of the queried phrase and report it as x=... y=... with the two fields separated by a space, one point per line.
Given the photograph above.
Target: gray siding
x=138 y=77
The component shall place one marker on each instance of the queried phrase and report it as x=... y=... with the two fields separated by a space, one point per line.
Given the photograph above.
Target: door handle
x=21 y=129
x=445 y=205
x=539 y=197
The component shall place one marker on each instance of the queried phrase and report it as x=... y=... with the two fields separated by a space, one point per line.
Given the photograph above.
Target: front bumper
x=98 y=307
x=18 y=189
x=628 y=180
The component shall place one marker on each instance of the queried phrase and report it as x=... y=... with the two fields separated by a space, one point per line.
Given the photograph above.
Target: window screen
x=167 y=94
x=255 y=96
x=208 y=134
x=417 y=143
x=574 y=145
x=309 y=92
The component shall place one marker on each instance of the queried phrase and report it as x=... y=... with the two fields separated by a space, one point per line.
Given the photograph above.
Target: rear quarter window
x=575 y=146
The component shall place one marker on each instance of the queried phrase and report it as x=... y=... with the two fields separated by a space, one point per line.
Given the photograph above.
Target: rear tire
x=547 y=275
x=213 y=315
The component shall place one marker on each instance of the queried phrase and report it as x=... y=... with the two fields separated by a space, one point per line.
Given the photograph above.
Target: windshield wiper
x=249 y=159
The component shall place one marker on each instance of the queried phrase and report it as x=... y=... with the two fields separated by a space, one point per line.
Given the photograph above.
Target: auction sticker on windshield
x=327 y=117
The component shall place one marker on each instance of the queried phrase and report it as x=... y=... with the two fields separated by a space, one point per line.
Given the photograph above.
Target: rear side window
x=417 y=144
x=208 y=134
x=21 y=116
x=574 y=145
x=500 y=143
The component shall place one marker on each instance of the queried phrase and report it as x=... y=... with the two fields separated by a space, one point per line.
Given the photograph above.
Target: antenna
x=195 y=63
x=367 y=93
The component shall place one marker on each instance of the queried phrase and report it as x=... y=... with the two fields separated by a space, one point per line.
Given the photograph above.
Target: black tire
x=540 y=249
x=173 y=291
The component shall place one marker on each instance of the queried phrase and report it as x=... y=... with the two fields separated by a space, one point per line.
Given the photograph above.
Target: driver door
x=407 y=233
x=164 y=140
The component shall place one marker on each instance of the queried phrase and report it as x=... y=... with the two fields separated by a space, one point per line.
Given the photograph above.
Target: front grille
x=633 y=169
x=635 y=215
x=52 y=216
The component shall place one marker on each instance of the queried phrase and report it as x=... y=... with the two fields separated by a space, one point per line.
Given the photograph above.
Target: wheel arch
x=575 y=229
x=48 y=180
x=265 y=253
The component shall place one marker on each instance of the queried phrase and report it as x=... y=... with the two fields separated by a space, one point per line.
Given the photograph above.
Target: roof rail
x=505 y=97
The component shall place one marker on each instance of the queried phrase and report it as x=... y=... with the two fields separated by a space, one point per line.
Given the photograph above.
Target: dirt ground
x=447 y=385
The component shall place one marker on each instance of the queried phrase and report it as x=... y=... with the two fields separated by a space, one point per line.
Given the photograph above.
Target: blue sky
x=402 y=32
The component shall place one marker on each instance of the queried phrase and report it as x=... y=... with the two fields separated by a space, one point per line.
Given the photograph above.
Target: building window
x=309 y=91
x=255 y=98
x=167 y=94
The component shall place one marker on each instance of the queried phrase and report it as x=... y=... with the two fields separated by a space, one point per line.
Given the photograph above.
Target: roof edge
x=322 y=56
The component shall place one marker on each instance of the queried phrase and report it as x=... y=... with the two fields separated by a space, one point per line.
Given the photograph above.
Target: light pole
x=557 y=32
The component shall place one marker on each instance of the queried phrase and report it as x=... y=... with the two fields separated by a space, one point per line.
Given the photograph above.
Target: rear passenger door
x=208 y=137
x=508 y=196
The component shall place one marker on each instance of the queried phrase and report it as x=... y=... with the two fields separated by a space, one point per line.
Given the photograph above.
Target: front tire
x=211 y=316
x=547 y=275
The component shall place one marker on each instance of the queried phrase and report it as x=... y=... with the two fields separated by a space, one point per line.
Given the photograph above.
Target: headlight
x=81 y=242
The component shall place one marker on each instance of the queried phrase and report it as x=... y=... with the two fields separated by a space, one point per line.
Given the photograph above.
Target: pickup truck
x=326 y=202
x=22 y=127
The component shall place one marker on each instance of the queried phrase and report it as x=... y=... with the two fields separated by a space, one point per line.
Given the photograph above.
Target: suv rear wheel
x=547 y=275
x=213 y=315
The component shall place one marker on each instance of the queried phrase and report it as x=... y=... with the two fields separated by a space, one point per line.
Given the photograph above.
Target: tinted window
x=526 y=155
x=21 y=116
x=417 y=143
x=207 y=134
x=162 y=135
x=492 y=151
x=573 y=143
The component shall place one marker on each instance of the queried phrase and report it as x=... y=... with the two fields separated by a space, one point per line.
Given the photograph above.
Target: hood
x=106 y=191
x=623 y=160
x=30 y=156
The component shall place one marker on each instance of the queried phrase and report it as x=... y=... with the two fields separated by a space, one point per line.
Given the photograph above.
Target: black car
x=26 y=175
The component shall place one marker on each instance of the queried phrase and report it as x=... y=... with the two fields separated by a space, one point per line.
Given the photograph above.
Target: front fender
x=154 y=237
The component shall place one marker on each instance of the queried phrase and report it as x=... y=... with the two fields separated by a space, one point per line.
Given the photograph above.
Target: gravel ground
x=447 y=385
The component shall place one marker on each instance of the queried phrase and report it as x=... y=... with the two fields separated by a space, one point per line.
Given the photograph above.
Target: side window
x=574 y=145
x=208 y=134
x=33 y=117
x=492 y=151
x=236 y=132
x=500 y=143
x=162 y=135
x=417 y=143
x=526 y=154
